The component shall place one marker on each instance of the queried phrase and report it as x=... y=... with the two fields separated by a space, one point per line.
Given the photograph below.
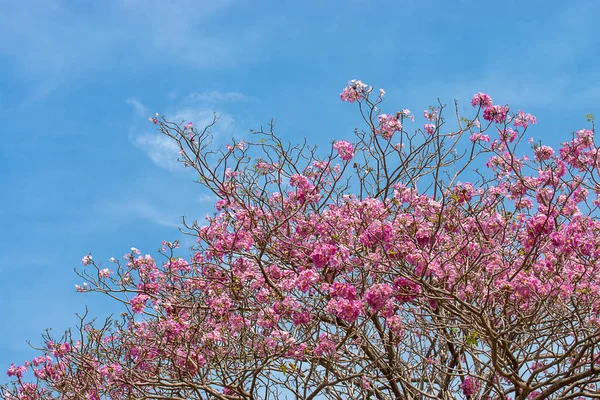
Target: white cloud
x=140 y=109
x=152 y=213
x=137 y=208
x=162 y=150
x=201 y=117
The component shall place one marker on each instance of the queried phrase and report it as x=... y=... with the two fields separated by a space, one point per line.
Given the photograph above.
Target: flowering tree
x=443 y=263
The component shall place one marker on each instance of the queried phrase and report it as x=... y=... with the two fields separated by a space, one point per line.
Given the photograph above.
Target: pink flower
x=104 y=273
x=405 y=290
x=479 y=136
x=111 y=371
x=297 y=352
x=325 y=346
x=241 y=145
x=406 y=113
x=39 y=360
x=59 y=350
x=377 y=295
x=495 y=113
x=86 y=260
x=482 y=100
x=524 y=120
x=345 y=149
x=17 y=371
x=306 y=279
x=265 y=168
x=464 y=193
x=354 y=91
x=322 y=255
x=348 y=310
x=508 y=135
x=430 y=114
x=364 y=383
x=429 y=128
x=388 y=125
x=343 y=290
x=395 y=324
x=469 y=386
x=543 y=153
x=138 y=303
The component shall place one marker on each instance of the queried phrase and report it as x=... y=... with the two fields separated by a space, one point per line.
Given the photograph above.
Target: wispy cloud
x=202 y=116
x=216 y=97
x=162 y=150
x=140 y=109
x=149 y=212
x=138 y=208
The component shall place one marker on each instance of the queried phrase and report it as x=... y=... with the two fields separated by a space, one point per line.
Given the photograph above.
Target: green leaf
x=473 y=338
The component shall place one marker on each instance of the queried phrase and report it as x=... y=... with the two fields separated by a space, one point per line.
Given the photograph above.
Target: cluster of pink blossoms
x=15 y=370
x=355 y=91
x=378 y=295
x=482 y=100
x=345 y=149
x=543 y=153
x=469 y=386
x=388 y=125
x=497 y=113
x=524 y=120
x=430 y=114
x=429 y=128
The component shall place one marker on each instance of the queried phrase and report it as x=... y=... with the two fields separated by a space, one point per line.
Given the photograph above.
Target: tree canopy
x=454 y=260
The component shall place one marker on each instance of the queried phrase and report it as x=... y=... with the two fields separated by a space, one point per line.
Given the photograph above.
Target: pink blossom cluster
x=469 y=386
x=543 y=153
x=355 y=91
x=495 y=114
x=378 y=295
x=407 y=114
x=388 y=125
x=482 y=100
x=524 y=120
x=345 y=149
x=431 y=114
x=429 y=128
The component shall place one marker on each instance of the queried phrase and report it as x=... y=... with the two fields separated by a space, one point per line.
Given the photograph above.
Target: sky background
x=82 y=170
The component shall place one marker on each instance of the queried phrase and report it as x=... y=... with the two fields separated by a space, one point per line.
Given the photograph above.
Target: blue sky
x=82 y=170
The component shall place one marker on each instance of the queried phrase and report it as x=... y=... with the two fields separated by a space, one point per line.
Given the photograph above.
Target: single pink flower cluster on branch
x=399 y=275
x=345 y=149
x=355 y=91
